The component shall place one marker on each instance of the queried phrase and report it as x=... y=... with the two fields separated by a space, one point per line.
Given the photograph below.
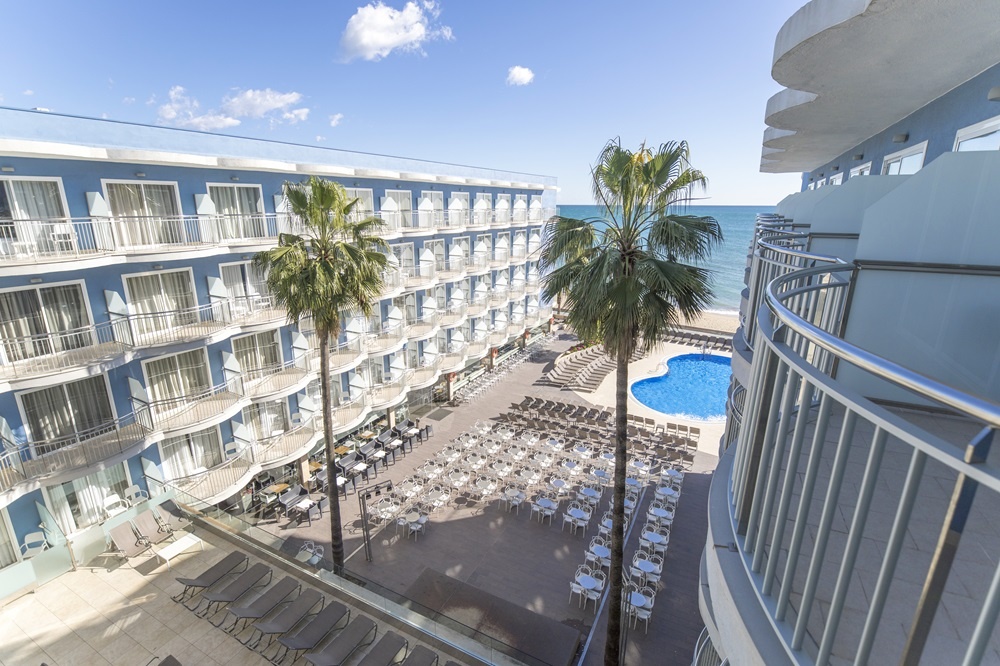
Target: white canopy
x=394 y=314
x=482 y=205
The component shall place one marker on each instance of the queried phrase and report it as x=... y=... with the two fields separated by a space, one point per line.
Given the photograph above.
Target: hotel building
x=853 y=515
x=138 y=343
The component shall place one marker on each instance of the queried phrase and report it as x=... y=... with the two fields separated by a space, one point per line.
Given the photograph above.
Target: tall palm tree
x=627 y=275
x=333 y=265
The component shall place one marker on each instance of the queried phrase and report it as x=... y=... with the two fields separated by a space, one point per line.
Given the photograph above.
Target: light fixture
x=994 y=94
x=35 y=280
x=836 y=168
x=157 y=267
x=858 y=156
x=810 y=179
x=234 y=178
x=900 y=138
x=7 y=169
x=140 y=174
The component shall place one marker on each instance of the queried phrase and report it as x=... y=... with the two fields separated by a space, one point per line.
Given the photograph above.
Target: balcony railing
x=392 y=281
x=516 y=290
x=258 y=309
x=499 y=296
x=501 y=258
x=810 y=527
x=454 y=315
x=274 y=379
x=478 y=347
x=385 y=393
x=289 y=444
x=501 y=219
x=392 y=334
x=47 y=353
x=477 y=264
x=532 y=287
x=455 y=358
x=515 y=328
x=395 y=221
x=161 y=328
x=424 y=221
x=455 y=220
x=194 y=408
x=481 y=219
x=478 y=305
x=425 y=325
x=451 y=269
x=419 y=276
x=55 y=239
x=426 y=372
x=350 y=411
x=499 y=336
x=518 y=254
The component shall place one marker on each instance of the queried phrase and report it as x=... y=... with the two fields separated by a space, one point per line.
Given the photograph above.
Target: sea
x=728 y=260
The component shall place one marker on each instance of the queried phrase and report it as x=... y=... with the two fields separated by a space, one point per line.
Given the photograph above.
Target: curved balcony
x=499 y=296
x=452 y=269
x=255 y=310
x=164 y=328
x=427 y=325
x=454 y=221
x=51 y=353
x=344 y=356
x=480 y=220
x=454 y=315
x=478 y=305
x=423 y=222
x=532 y=287
x=418 y=277
x=393 y=222
x=350 y=413
x=498 y=337
x=386 y=394
x=195 y=410
x=478 y=348
x=275 y=380
x=477 y=264
x=849 y=515
x=518 y=254
x=426 y=374
x=517 y=290
x=515 y=328
x=392 y=335
x=532 y=318
x=392 y=282
x=501 y=220
x=501 y=259
x=454 y=360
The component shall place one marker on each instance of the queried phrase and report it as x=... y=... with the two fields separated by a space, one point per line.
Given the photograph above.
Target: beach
x=722 y=322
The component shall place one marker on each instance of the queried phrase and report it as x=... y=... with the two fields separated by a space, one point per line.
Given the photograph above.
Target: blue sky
x=423 y=79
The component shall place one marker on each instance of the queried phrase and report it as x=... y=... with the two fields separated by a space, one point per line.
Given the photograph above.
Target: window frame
x=142 y=181
x=856 y=171
x=48 y=179
x=30 y=436
x=260 y=190
x=145 y=375
x=919 y=148
x=976 y=130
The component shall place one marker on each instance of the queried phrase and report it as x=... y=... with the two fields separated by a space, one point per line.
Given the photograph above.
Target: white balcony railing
x=499 y=296
x=455 y=220
x=160 y=328
x=477 y=264
x=194 y=408
x=392 y=333
x=450 y=269
x=455 y=314
x=419 y=276
x=478 y=305
x=426 y=372
x=386 y=392
x=424 y=325
x=274 y=379
x=501 y=258
x=454 y=359
x=48 y=353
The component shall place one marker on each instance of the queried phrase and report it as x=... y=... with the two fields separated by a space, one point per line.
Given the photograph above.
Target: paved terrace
x=518 y=560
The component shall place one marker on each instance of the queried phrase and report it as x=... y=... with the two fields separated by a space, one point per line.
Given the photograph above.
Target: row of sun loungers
x=150 y=527
x=707 y=341
x=294 y=622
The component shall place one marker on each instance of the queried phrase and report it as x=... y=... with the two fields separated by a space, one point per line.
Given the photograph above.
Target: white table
x=582 y=451
x=602 y=552
x=587 y=582
x=177 y=547
x=645 y=566
x=638 y=599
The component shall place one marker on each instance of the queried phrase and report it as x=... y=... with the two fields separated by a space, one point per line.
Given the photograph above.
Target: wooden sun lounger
x=264 y=604
x=340 y=649
x=232 y=592
x=311 y=634
x=212 y=575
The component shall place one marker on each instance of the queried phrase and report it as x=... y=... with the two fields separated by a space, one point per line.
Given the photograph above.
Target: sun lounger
x=421 y=656
x=361 y=631
x=386 y=651
x=311 y=634
x=212 y=575
x=235 y=589
x=126 y=541
x=170 y=516
x=285 y=620
x=147 y=528
x=263 y=604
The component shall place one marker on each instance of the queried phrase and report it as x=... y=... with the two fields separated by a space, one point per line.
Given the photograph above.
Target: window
x=458 y=209
x=62 y=415
x=483 y=208
x=862 y=170
x=811 y=186
x=366 y=204
x=192 y=453
x=502 y=208
x=161 y=301
x=981 y=136
x=400 y=210
x=520 y=208
x=7 y=556
x=46 y=320
x=431 y=208
x=79 y=503
x=246 y=285
x=24 y=204
x=258 y=354
x=241 y=208
x=266 y=419
x=436 y=247
x=837 y=179
x=820 y=183
x=175 y=380
x=535 y=208
x=404 y=255
x=905 y=162
x=146 y=213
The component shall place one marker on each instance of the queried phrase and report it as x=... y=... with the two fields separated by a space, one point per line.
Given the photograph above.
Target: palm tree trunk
x=612 y=646
x=333 y=489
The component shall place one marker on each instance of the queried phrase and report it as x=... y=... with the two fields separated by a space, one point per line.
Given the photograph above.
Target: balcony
x=173 y=326
x=454 y=315
x=287 y=446
x=454 y=360
x=44 y=458
x=350 y=412
x=515 y=328
x=392 y=282
x=393 y=334
x=454 y=221
x=850 y=515
x=518 y=254
x=423 y=222
x=516 y=290
x=50 y=353
x=532 y=318
x=419 y=277
x=478 y=347
x=202 y=408
x=501 y=220
x=499 y=337
x=255 y=310
x=452 y=269
x=501 y=259
x=275 y=380
x=480 y=220
x=478 y=305
x=477 y=264
x=427 y=373
x=55 y=239
x=426 y=325
x=385 y=394
x=499 y=296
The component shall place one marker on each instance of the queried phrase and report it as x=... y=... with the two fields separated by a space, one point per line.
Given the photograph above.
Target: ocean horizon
x=728 y=261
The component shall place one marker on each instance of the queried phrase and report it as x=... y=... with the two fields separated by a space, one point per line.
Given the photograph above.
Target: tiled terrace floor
x=510 y=556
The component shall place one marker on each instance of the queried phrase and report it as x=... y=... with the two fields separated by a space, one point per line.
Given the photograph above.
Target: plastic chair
x=34 y=543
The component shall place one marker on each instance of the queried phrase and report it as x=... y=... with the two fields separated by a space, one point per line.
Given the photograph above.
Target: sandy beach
x=715 y=321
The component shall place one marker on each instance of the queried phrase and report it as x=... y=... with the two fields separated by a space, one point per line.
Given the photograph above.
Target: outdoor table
x=527 y=475
x=600 y=475
x=518 y=454
x=673 y=473
x=577 y=513
x=506 y=435
x=645 y=566
x=602 y=552
x=638 y=599
x=629 y=504
x=666 y=491
x=367 y=434
x=582 y=451
x=587 y=582
x=632 y=481
x=590 y=492
x=302 y=508
x=606 y=523
x=342 y=450
x=569 y=464
x=175 y=548
x=512 y=493
x=653 y=537
x=558 y=484
x=276 y=488
x=641 y=466
x=502 y=468
x=475 y=460
x=608 y=457
x=315 y=465
x=484 y=484
x=659 y=513
x=543 y=459
x=546 y=503
x=412 y=432
x=434 y=471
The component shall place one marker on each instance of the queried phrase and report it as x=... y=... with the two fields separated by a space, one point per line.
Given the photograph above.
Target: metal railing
x=193 y=408
x=392 y=334
x=499 y=337
x=257 y=309
x=477 y=347
x=532 y=286
x=426 y=372
x=455 y=220
x=424 y=221
x=275 y=378
x=516 y=290
x=478 y=305
x=791 y=485
x=392 y=280
x=454 y=359
x=501 y=258
x=55 y=239
x=499 y=296
x=451 y=268
x=384 y=393
x=424 y=325
x=351 y=411
x=518 y=253
x=419 y=276
x=481 y=219
x=47 y=353
x=477 y=263
x=396 y=221
x=501 y=219
x=160 y=328
x=454 y=314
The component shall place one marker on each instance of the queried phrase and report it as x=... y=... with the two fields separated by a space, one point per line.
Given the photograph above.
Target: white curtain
x=177 y=376
x=153 y=209
x=266 y=419
x=187 y=454
x=36 y=200
x=169 y=295
x=80 y=503
x=256 y=352
x=240 y=206
x=80 y=407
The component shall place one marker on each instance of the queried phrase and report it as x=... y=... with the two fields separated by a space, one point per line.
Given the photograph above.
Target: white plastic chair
x=34 y=543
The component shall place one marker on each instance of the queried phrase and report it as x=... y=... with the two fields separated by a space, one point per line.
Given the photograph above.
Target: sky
x=523 y=85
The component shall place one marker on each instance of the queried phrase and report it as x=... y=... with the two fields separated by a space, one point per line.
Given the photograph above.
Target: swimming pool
x=694 y=386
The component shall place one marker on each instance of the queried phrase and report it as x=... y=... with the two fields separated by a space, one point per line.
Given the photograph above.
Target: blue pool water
x=694 y=387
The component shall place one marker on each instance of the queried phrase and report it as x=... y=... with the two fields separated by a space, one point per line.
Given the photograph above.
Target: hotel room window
x=79 y=503
x=175 y=381
x=44 y=320
x=146 y=213
x=401 y=207
x=366 y=202
x=862 y=170
x=984 y=135
x=904 y=162
x=161 y=301
x=836 y=179
x=7 y=556
x=30 y=214
x=62 y=415
x=241 y=208
x=192 y=453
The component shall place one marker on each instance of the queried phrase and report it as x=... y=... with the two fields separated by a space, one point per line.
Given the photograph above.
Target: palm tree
x=334 y=265
x=627 y=276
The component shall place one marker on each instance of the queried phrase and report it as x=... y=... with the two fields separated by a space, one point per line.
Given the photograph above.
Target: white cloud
x=335 y=119
x=183 y=111
x=128 y=100
x=295 y=115
x=258 y=103
x=28 y=92
x=320 y=138
x=519 y=76
x=104 y=116
x=376 y=30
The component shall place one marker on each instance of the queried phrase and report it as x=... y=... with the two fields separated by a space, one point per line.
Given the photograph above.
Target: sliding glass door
x=79 y=503
x=146 y=213
x=64 y=414
x=191 y=453
x=39 y=321
x=173 y=381
x=31 y=213
x=162 y=301
x=258 y=354
x=241 y=210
